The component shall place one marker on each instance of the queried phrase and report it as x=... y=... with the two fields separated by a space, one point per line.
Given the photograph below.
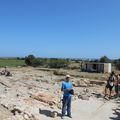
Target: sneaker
x=62 y=117
x=69 y=116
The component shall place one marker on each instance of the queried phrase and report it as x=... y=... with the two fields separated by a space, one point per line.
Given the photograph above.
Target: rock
x=90 y=85
x=96 y=82
x=86 y=90
x=45 y=98
x=29 y=117
x=25 y=116
x=59 y=72
x=54 y=114
x=83 y=97
x=16 y=111
x=79 y=84
x=75 y=97
x=59 y=106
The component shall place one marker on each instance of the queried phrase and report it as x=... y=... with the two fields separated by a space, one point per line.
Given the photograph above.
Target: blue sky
x=60 y=28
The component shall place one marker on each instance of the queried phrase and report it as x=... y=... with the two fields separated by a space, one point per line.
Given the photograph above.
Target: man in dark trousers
x=67 y=97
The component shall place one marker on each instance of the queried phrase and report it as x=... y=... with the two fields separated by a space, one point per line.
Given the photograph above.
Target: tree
x=117 y=63
x=29 y=60
x=105 y=59
x=36 y=62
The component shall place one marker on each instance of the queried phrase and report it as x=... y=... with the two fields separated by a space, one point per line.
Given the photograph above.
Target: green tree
x=36 y=62
x=117 y=63
x=29 y=60
x=105 y=59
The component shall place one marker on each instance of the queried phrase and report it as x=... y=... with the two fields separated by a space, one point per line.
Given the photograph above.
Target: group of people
x=5 y=72
x=67 y=88
x=113 y=82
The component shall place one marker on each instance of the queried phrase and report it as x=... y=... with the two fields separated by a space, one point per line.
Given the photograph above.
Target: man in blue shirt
x=67 y=97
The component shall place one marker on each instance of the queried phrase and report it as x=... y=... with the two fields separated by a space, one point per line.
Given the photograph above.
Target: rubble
x=81 y=83
x=97 y=82
x=29 y=90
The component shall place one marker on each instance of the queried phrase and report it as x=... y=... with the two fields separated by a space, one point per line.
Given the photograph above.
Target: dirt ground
x=34 y=94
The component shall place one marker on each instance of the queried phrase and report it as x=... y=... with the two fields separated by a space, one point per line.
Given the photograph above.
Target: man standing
x=67 y=96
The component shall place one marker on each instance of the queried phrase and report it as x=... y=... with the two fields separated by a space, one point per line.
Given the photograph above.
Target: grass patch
x=11 y=62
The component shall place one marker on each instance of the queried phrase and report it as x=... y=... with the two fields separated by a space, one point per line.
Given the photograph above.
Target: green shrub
x=54 y=63
x=117 y=63
x=29 y=60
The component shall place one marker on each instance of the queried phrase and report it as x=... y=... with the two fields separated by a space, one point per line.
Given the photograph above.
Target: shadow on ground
x=47 y=113
x=116 y=112
x=98 y=95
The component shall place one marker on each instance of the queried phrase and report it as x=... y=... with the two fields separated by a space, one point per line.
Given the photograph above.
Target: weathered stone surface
x=81 y=83
x=96 y=82
x=46 y=98
x=29 y=90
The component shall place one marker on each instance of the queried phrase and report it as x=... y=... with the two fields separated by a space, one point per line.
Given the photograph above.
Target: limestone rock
x=45 y=98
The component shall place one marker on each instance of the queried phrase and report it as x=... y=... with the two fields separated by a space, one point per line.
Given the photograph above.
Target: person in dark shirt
x=110 y=84
x=118 y=85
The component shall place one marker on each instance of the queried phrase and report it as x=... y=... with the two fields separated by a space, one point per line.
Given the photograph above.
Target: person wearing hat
x=67 y=97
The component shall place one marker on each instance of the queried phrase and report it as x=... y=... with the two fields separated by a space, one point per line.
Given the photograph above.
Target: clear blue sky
x=60 y=28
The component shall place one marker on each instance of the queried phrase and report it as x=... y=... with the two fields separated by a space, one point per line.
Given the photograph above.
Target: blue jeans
x=66 y=105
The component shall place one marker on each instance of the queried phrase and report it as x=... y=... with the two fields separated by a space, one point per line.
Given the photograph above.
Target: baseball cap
x=68 y=76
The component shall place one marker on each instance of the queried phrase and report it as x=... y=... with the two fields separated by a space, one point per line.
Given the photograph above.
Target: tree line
x=31 y=60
